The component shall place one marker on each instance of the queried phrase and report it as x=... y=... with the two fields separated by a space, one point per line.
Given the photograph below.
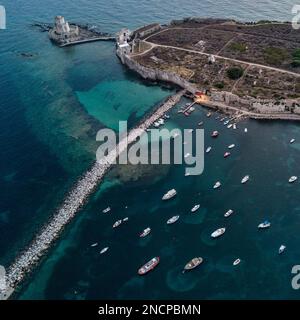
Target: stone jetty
x=77 y=197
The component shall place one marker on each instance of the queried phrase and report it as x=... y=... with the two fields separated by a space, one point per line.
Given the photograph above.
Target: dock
x=75 y=200
x=102 y=38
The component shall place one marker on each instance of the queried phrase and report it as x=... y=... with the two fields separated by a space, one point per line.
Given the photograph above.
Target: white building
x=123 y=38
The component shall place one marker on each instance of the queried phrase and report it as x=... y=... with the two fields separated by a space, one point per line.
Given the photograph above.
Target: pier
x=74 y=201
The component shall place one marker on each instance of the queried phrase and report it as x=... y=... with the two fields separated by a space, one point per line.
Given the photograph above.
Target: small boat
x=104 y=250
x=94 y=244
x=228 y=213
x=106 y=210
x=226 y=122
x=170 y=194
x=231 y=146
x=222 y=119
x=117 y=223
x=281 y=249
x=145 y=232
x=208 y=150
x=234 y=126
x=150 y=265
x=192 y=264
x=173 y=220
x=264 y=225
x=187 y=155
x=226 y=154
x=195 y=208
x=218 y=232
x=192 y=109
x=125 y=219
x=230 y=125
x=245 y=130
x=293 y=179
x=215 y=134
x=217 y=185
x=208 y=114
x=236 y=262
x=200 y=123
x=292 y=140
x=245 y=179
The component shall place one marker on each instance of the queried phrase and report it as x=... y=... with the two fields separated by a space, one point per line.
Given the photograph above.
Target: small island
x=64 y=33
x=246 y=69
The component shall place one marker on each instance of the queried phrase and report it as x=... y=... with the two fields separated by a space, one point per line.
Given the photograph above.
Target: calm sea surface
x=53 y=103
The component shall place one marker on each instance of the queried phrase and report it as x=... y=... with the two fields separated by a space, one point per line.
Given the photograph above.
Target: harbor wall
x=250 y=104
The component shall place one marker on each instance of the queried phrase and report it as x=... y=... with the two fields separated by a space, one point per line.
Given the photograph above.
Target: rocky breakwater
x=30 y=257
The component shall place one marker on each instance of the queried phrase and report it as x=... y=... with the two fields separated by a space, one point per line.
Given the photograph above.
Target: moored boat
x=104 y=250
x=230 y=125
x=281 y=249
x=208 y=149
x=192 y=264
x=170 y=194
x=94 y=244
x=173 y=220
x=292 y=140
x=228 y=213
x=293 y=179
x=245 y=130
x=195 y=208
x=245 y=179
x=226 y=154
x=218 y=232
x=208 y=114
x=217 y=185
x=215 y=134
x=117 y=223
x=231 y=146
x=150 y=265
x=200 y=123
x=236 y=262
x=264 y=225
x=125 y=219
x=145 y=232
x=106 y=210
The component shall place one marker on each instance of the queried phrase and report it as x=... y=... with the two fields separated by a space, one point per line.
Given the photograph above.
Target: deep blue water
x=47 y=140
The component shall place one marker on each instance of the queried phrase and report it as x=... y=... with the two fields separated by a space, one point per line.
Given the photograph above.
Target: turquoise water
x=51 y=108
x=111 y=101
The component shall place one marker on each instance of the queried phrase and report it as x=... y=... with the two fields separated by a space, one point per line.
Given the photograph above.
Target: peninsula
x=247 y=69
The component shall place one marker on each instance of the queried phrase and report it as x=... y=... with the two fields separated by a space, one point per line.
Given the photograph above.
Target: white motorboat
x=231 y=146
x=145 y=232
x=94 y=244
x=170 y=194
x=292 y=140
x=173 y=220
x=245 y=179
x=195 y=208
x=234 y=126
x=236 y=262
x=117 y=223
x=293 y=179
x=264 y=225
x=208 y=149
x=218 y=232
x=125 y=219
x=104 y=250
x=281 y=249
x=230 y=125
x=228 y=213
x=245 y=130
x=217 y=185
x=108 y=209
